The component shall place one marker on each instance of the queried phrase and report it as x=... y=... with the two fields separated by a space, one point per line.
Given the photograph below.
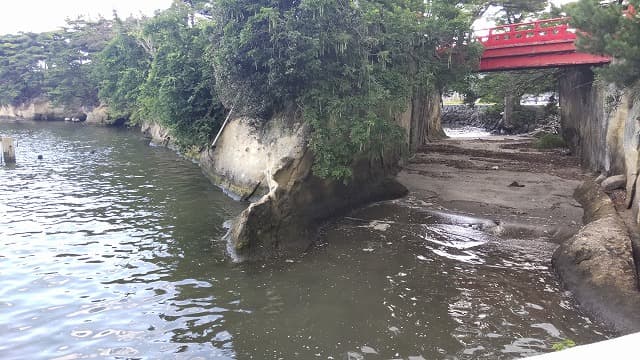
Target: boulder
x=98 y=116
x=614 y=182
x=597 y=265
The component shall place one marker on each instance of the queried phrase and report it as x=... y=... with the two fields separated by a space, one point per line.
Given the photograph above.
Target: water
x=110 y=248
x=466 y=132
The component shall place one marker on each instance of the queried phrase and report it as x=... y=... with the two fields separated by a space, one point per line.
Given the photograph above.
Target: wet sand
x=501 y=178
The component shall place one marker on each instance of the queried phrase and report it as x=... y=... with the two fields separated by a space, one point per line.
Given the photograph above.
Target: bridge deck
x=539 y=44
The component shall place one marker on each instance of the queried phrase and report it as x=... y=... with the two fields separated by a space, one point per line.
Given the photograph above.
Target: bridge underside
x=537 y=56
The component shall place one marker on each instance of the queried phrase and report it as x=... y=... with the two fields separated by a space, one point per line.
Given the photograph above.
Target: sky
x=45 y=15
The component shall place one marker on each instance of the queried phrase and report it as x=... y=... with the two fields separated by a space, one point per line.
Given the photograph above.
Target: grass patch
x=563 y=345
x=550 y=141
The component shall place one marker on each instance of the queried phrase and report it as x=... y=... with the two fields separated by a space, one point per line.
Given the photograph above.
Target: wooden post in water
x=8 y=150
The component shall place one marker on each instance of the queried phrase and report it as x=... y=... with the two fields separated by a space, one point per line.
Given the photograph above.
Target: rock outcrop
x=422 y=119
x=286 y=218
x=597 y=265
x=99 y=116
x=39 y=109
x=613 y=182
x=270 y=163
x=601 y=123
x=158 y=134
x=249 y=152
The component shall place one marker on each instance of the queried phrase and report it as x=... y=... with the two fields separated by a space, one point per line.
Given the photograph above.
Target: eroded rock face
x=39 y=109
x=249 y=153
x=422 y=119
x=285 y=219
x=98 y=116
x=602 y=125
x=270 y=163
x=597 y=263
x=273 y=160
x=614 y=182
x=158 y=134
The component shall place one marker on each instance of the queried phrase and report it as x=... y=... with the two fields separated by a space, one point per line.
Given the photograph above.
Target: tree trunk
x=507 y=115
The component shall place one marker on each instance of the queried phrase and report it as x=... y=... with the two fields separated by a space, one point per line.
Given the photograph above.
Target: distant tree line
x=346 y=67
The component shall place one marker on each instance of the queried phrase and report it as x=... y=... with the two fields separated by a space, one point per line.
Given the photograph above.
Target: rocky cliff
x=601 y=122
x=250 y=151
x=602 y=125
x=40 y=109
x=269 y=163
x=273 y=159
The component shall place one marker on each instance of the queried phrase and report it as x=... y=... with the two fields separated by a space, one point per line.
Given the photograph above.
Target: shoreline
x=530 y=194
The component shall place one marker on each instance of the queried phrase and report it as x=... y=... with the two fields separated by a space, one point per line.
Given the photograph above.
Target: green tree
x=22 y=67
x=507 y=88
x=121 y=69
x=517 y=11
x=607 y=30
x=70 y=59
x=347 y=67
x=179 y=88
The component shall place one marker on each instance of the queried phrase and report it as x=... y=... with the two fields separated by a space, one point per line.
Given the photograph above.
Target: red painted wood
x=541 y=61
x=527 y=33
x=529 y=50
x=538 y=44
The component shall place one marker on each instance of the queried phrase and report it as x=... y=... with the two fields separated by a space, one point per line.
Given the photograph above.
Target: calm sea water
x=111 y=248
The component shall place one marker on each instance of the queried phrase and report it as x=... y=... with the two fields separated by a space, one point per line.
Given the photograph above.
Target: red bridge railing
x=531 y=33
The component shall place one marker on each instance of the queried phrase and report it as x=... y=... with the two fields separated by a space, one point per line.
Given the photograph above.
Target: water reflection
x=112 y=248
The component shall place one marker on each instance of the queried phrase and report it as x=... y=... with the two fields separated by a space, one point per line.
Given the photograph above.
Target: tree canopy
x=613 y=29
x=346 y=67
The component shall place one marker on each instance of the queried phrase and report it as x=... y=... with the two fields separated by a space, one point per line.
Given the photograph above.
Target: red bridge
x=539 y=44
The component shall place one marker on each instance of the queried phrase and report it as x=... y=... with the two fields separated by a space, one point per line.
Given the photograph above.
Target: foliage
x=21 y=73
x=54 y=63
x=563 y=345
x=159 y=69
x=550 y=141
x=70 y=60
x=495 y=86
x=179 y=89
x=605 y=29
x=347 y=67
x=513 y=11
x=121 y=69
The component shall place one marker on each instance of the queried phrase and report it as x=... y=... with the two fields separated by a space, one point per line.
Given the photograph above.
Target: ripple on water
x=118 y=253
